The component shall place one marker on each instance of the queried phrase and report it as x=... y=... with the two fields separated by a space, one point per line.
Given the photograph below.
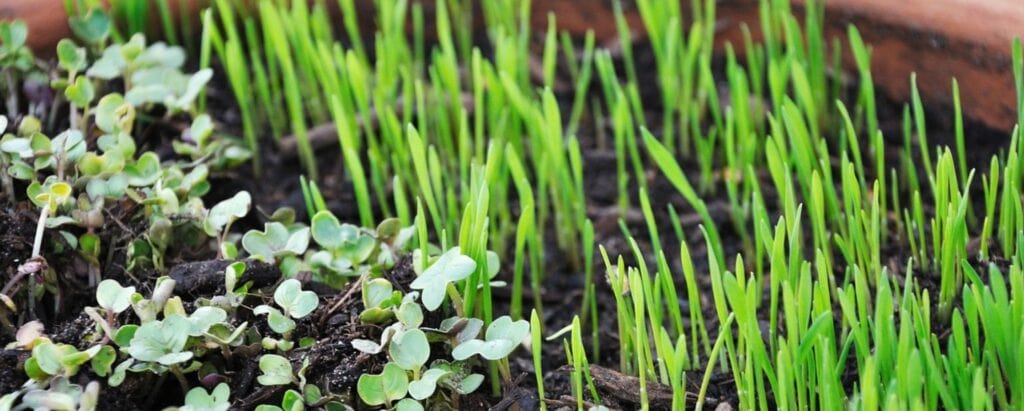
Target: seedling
x=218 y=220
x=379 y=299
x=347 y=249
x=502 y=336
x=15 y=58
x=390 y=385
x=276 y=241
x=294 y=304
x=437 y=279
x=159 y=346
x=407 y=344
x=53 y=359
x=60 y=394
x=202 y=143
x=234 y=293
x=276 y=370
x=148 y=309
x=162 y=342
x=113 y=299
x=409 y=349
x=198 y=399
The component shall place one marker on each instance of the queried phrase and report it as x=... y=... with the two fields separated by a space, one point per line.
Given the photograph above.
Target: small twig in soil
x=626 y=389
x=356 y=285
x=516 y=397
x=568 y=401
x=261 y=396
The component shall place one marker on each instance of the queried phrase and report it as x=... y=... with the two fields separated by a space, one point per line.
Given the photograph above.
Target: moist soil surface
x=334 y=365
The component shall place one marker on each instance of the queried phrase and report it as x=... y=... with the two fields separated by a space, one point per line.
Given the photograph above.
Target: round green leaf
x=198 y=399
x=408 y=404
x=278 y=322
x=275 y=241
x=469 y=384
x=161 y=341
x=451 y=266
x=203 y=318
x=103 y=360
x=276 y=370
x=227 y=211
x=145 y=171
x=378 y=389
x=93 y=27
x=410 y=314
x=81 y=92
x=113 y=297
x=295 y=302
x=114 y=114
x=424 y=387
x=47 y=356
x=409 y=349
x=329 y=233
x=501 y=338
x=376 y=291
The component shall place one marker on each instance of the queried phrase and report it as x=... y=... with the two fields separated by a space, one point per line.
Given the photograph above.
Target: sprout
x=52 y=359
x=294 y=302
x=409 y=314
x=93 y=27
x=276 y=370
x=450 y=267
x=162 y=342
x=378 y=299
x=275 y=241
x=114 y=115
x=424 y=387
x=218 y=220
x=501 y=338
x=384 y=388
x=197 y=399
x=203 y=318
x=70 y=57
x=409 y=349
x=112 y=297
x=347 y=248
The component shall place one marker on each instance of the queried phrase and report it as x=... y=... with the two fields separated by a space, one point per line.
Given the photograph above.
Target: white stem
x=38 y=244
x=73 y=117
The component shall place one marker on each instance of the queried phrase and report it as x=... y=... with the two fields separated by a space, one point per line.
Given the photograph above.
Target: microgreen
x=293 y=303
x=198 y=399
x=409 y=349
x=162 y=341
x=218 y=221
x=112 y=297
x=276 y=241
x=434 y=281
x=384 y=388
x=51 y=359
x=275 y=370
x=501 y=337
